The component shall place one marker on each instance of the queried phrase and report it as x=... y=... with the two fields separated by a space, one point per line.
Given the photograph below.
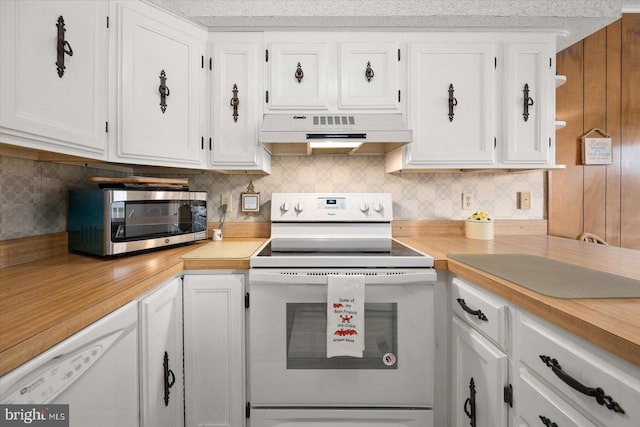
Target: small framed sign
x=596 y=150
x=250 y=200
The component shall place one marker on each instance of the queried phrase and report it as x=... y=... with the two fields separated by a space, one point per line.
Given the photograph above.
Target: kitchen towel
x=345 y=315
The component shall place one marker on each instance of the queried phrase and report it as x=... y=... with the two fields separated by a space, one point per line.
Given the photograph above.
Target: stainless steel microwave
x=108 y=221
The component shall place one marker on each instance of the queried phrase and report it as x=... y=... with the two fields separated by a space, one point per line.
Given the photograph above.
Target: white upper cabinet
x=156 y=84
x=463 y=119
x=44 y=106
x=331 y=72
x=529 y=102
x=298 y=76
x=369 y=75
x=451 y=105
x=236 y=103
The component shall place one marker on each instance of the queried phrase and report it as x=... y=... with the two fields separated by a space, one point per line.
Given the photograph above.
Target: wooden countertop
x=43 y=302
x=612 y=324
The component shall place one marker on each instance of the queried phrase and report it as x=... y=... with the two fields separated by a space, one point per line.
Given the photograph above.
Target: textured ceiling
x=575 y=19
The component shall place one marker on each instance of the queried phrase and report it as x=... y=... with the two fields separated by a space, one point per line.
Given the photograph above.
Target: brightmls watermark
x=34 y=415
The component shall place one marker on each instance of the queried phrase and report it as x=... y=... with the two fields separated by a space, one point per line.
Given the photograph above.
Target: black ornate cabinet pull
x=528 y=102
x=369 y=72
x=478 y=313
x=164 y=91
x=470 y=404
x=597 y=393
x=64 y=48
x=235 y=102
x=299 y=73
x=547 y=422
x=168 y=383
x=453 y=102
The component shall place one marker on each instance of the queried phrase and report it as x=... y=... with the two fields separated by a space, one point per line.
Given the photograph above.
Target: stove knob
x=284 y=207
x=364 y=208
x=377 y=207
x=299 y=207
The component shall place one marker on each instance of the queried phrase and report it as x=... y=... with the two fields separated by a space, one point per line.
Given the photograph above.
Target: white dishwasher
x=95 y=372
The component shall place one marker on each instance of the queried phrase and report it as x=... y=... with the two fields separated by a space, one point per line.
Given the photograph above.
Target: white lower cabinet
x=602 y=387
x=479 y=374
x=161 y=375
x=213 y=349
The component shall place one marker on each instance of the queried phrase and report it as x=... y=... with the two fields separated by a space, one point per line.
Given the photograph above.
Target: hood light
x=335 y=144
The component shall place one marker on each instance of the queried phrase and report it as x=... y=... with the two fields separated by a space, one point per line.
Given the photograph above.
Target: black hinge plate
x=508 y=395
x=106 y=127
x=202 y=62
x=398 y=54
x=247 y=410
x=107 y=22
x=266 y=96
x=211 y=63
x=495 y=142
x=266 y=55
x=246 y=300
x=495 y=62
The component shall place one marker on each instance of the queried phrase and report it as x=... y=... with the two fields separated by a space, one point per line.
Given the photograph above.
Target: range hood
x=339 y=133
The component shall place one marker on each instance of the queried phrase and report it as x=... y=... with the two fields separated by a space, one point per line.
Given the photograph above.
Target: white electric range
x=291 y=379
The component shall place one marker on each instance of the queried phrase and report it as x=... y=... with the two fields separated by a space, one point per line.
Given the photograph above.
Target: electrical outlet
x=524 y=200
x=467 y=201
x=226 y=199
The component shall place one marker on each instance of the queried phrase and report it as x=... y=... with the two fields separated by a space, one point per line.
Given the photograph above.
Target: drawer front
x=568 y=364
x=539 y=406
x=486 y=313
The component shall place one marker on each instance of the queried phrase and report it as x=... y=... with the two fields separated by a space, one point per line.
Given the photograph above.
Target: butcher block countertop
x=43 y=302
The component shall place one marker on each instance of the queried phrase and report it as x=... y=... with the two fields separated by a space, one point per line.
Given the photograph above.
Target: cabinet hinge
x=210 y=144
x=106 y=127
x=211 y=63
x=246 y=302
x=495 y=142
x=266 y=55
x=202 y=62
x=495 y=62
x=550 y=59
x=247 y=410
x=508 y=395
x=398 y=95
x=266 y=96
x=202 y=142
x=549 y=142
x=107 y=22
x=398 y=54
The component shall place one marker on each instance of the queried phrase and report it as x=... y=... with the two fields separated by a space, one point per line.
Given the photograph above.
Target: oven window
x=135 y=220
x=307 y=337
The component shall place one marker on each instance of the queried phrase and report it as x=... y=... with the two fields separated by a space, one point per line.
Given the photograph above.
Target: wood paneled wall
x=602 y=91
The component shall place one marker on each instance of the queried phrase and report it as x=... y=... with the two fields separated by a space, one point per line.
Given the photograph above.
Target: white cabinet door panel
x=41 y=109
x=213 y=350
x=477 y=359
x=378 y=89
x=149 y=43
x=309 y=61
x=160 y=334
x=467 y=136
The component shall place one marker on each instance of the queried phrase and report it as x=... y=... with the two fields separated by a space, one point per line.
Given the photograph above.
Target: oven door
x=288 y=364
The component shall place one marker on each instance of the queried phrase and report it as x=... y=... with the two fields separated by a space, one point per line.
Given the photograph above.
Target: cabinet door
x=162 y=402
x=213 y=349
x=461 y=135
x=237 y=75
x=41 y=108
x=479 y=372
x=369 y=76
x=155 y=54
x=528 y=105
x=298 y=76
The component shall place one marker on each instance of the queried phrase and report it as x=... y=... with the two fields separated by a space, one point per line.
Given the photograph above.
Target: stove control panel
x=331 y=207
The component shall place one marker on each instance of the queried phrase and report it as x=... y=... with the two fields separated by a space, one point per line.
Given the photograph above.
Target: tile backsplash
x=33 y=198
